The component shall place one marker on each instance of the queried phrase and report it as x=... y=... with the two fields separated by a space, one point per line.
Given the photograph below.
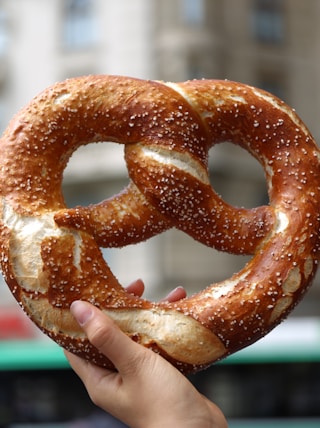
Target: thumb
x=106 y=336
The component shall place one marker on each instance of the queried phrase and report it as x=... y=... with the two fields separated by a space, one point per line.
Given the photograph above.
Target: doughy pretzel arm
x=126 y=218
x=131 y=217
x=187 y=199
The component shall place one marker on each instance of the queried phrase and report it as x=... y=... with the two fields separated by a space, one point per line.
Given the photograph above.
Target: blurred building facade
x=271 y=44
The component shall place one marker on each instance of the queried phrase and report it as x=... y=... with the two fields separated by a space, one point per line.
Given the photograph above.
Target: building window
x=78 y=24
x=268 y=21
x=193 y=11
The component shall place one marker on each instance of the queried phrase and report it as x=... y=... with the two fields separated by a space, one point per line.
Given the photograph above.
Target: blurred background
x=271 y=44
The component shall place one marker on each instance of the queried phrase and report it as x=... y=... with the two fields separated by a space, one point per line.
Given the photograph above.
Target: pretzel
x=50 y=254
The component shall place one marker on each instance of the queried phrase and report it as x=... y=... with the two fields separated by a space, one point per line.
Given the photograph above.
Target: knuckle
x=139 y=363
x=100 y=335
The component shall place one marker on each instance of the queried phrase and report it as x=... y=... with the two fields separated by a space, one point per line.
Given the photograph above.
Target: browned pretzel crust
x=50 y=255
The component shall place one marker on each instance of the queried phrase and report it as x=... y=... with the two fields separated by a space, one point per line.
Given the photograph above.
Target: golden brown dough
x=50 y=254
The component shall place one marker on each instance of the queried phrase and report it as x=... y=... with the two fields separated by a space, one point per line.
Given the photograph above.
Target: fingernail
x=174 y=291
x=81 y=311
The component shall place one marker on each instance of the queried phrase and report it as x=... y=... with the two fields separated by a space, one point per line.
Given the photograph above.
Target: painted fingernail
x=81 y=311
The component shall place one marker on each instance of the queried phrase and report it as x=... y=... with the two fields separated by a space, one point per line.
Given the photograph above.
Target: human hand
x=146 y=391
x=137 y=288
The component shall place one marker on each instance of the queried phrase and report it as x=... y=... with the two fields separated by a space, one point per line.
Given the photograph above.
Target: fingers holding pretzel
x=51 y=256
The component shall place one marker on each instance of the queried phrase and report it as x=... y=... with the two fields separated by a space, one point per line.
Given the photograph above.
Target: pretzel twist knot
x=50 y=254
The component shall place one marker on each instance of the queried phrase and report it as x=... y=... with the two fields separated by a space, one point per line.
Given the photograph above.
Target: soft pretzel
x=50 y=254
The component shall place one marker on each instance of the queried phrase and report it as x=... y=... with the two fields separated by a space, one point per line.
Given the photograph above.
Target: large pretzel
x=50 y=255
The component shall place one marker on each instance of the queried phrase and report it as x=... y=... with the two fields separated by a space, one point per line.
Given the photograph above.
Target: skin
x=145 y=391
